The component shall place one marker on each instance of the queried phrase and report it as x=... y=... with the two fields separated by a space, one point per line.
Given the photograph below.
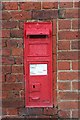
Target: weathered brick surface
x=68 y=105
x=30 y=6
x=45 y=14
x=10 y=6
x=49 y=5
x=69 y=35
x=9 y=24
x=64 y=24
x=64 y=86
x=66 y=43
x=69 y=95
x=66 y=4
x=68 y=75
x=63 y=65
x=68 y=55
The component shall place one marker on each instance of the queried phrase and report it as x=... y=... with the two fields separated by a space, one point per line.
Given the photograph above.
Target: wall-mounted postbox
x=38 y=64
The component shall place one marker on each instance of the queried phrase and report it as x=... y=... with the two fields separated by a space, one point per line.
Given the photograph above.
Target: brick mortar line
x=70 y=45
x=71 y=65
x=68 y=91
x=68 y=80
x=76 y=100
x=57 y=55
x=72 y=50
x=10 y=29
x=14 y=83
x=71 y=24
x=69 y=40
x=69 y=30
x=75 y=8
x=68 y=71
x=12 y=39
x=68 y=60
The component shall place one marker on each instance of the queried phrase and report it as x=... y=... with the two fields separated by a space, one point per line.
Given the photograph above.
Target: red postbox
x=38 y=64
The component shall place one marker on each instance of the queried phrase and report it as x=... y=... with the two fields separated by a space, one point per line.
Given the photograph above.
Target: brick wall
x=66 y=44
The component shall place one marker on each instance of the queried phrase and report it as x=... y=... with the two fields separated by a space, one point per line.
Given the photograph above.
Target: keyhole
x=33 y=86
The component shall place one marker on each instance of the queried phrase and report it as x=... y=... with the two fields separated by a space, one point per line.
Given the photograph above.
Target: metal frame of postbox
x=38 y=54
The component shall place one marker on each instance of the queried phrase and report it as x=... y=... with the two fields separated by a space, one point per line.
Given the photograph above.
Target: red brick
x=19 y=77
x=2 y=78
x=77 y=4
x=12 y=94
x=21 y=25
x=1 y=24
x=20 y=42
x=68 y=35
x=11 y=111
x=12 y=103
x=75 y=24
x=7 y=60
x=75 y=45
x=4 y=111
x=16 y=33
x=6 y=69
x=68 y=96
x=64 y=24
x=72 y=13
x=66 y=4
x=66 y=55
x=64 y=86
x=50 y=111
x=64 y=114
x=21 y=15
x=54 y=27
x=6 y=52
x=5 y=94
x=11 y=43
x=76 y=114
x=0 y=52
x=54 y=88
x=5 y=33
x=10 y=78
x=76 y=85
x=10 y=5
x=43 y=14
x=12 y=86
x=30 y=5
x=18 y=60
x=63 y=65
x=49 y=5
x=3 y=43
x=6 y=15
x=9 y=24
x=54 y=44
x=17 y=52
x=76 y=65
x=54 y=63
x=63 y=45
x=68 y=76
x=0 y=34
x=17 y=69
x=68 y=105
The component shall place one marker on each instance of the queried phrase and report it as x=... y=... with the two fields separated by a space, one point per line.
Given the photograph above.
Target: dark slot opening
x=37 y=36
x=33 y=86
